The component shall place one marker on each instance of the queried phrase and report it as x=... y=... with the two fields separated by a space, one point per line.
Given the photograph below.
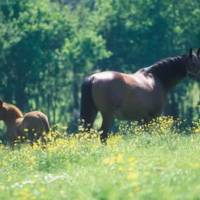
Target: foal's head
x=193 y=64
x=9 y=112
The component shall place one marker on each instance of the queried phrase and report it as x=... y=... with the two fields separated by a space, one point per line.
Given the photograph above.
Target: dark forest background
x=48 y=47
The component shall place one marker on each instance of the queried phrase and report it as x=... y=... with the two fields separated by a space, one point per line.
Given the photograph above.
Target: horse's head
x=2 y=110
x=9 y=112
x=193 y=64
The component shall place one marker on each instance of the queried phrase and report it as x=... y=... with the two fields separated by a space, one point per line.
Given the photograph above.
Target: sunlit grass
x=156 y=161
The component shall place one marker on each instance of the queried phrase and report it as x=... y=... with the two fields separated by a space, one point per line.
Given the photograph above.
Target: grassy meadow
x=158 y=161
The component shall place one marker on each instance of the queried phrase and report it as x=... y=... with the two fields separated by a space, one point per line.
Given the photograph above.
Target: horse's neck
x=169 y=72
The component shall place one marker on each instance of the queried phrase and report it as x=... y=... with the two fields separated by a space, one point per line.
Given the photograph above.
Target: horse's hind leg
x=106 y=125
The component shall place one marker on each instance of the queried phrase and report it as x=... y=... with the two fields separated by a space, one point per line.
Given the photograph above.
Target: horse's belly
x=145 y=108
x=137 y=114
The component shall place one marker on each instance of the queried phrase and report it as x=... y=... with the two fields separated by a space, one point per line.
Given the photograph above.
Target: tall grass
x=158 y=161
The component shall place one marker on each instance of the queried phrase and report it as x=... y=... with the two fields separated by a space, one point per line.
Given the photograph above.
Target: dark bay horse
x=30 y=126
x=140 y=96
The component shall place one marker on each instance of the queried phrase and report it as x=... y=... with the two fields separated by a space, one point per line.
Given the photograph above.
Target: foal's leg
x=12 y=136
x=106 y=124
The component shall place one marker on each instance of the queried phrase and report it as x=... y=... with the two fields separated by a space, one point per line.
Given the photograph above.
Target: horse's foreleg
x=106 y=125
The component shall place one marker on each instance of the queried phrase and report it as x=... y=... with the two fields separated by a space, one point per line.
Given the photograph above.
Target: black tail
x=88 y=108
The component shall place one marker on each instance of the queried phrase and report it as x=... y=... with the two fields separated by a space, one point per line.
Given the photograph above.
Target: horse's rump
x=35 y=123
x=36 y=119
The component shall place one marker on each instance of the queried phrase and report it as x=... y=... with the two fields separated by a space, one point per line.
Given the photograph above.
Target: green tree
x=44 y=52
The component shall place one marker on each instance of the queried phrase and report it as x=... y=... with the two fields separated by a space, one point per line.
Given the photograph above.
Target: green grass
x=142 y=166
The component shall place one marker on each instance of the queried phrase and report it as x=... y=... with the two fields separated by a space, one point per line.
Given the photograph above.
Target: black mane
x=169 y=71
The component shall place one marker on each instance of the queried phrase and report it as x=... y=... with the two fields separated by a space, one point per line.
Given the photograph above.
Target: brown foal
x=30 y=126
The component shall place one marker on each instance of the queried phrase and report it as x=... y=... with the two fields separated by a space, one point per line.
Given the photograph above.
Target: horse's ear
x=190 y=53
x=1 y=103
x=198 y=52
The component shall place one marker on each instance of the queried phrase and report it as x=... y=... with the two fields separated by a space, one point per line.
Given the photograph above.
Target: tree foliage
x=47 y=47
